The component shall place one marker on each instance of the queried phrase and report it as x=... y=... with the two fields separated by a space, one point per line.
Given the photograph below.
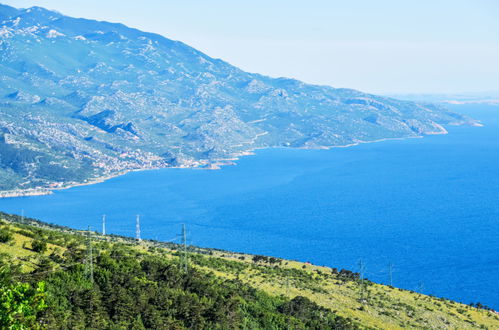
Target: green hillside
x=47 y=281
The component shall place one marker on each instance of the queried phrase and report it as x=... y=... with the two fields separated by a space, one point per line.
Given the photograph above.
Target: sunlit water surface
x=429 y=206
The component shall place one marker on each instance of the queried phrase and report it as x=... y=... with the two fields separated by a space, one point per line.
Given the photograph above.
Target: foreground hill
x=82 y=99
x=158 y=285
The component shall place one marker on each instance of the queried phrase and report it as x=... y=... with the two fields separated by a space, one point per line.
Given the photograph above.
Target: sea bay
x=428 y=206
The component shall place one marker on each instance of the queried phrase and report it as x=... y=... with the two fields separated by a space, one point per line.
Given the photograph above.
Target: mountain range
x=83 y=99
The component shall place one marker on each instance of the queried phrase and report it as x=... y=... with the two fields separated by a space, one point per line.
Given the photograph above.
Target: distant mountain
x=490 y=98
x=82 y=99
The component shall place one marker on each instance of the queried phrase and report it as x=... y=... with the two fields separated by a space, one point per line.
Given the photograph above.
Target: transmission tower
x=362 y=269
x=390 y=273
x=137 y=228
x=184 y=244
x=103 y=224
x=89 y=267
x=288 y=296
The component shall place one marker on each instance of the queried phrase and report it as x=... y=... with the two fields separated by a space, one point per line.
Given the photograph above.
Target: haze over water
x=429 y=206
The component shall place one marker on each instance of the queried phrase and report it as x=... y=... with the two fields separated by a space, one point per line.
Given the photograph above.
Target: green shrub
x=39 y=245
x=26 y=233
x=5 y=235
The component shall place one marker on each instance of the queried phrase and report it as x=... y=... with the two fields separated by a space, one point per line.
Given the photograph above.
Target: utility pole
x=89 y=267
x=361 y=273
x=288 y=296
x=184 y=243
x=390 y=273
x=137 y=228
x=103 y=224
x=89 y=270
x=362 y=269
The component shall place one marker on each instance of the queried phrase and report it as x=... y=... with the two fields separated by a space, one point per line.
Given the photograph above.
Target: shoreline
x=216 y=164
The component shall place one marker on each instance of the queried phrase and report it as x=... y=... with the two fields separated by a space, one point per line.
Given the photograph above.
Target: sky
x=382 y=46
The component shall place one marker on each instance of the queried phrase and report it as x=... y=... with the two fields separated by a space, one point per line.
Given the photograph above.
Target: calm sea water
x=428 y=206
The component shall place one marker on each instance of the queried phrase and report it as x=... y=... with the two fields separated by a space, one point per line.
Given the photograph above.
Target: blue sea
x=428 y=206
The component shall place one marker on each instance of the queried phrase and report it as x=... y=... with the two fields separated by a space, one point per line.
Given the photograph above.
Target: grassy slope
x=383 y=307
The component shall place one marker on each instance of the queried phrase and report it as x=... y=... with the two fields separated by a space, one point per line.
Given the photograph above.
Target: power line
x=46 y=271
x=170 y=240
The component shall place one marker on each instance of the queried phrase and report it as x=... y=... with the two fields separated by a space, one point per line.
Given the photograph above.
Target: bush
x=39 y=245
x=5 y=235
x=26 y=233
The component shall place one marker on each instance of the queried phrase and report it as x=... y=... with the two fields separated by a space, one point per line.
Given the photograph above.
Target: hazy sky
x=381 y=46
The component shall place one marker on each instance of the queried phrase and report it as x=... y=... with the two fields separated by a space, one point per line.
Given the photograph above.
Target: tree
x=20 y=304
x=39 y=245
x=5 y=235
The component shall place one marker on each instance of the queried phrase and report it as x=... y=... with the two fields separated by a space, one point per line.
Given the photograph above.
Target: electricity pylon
x=184 y=245
x=137 y=228
x=89 y=267
x=103 y=224
x=390 y=273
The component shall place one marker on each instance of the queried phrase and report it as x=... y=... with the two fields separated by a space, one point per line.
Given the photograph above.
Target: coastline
x=25 y=192
x=216 y=164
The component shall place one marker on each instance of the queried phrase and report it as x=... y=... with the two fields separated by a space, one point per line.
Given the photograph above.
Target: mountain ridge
x=83 y=99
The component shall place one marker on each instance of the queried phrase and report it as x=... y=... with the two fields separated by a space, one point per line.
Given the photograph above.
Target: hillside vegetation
x=48 y=281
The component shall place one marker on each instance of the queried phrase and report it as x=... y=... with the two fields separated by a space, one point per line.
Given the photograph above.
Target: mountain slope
x=144 y=283
x=82 y=99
